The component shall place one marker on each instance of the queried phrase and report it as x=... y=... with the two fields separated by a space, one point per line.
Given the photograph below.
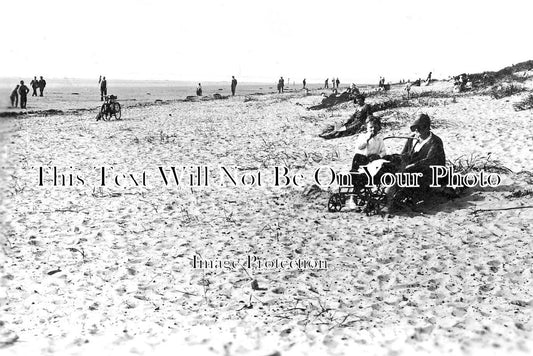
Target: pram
x=369 y=199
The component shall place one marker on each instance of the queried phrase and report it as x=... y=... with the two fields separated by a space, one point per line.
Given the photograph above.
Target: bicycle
x=110 y=108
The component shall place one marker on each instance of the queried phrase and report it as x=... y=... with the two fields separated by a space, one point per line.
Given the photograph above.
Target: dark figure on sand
x=199 y=90
x=304 y=82
x=233 y=85
x=23 y=92
x=337 y=82
x=281 y=84
x=326 y=83
x=335 y=99
x=423 y=150
x=103 y=88
x=42 y=85
x=34 y=85
x=15 y=97
x=354 y=124
x=408 y=89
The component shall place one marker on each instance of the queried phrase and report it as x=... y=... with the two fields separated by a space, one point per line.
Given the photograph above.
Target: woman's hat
x=422 y=121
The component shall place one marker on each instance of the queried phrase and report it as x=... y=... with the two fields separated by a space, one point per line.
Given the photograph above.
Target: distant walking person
x=103 y=87
x=42 y=85
x=304 y=83
x=233 y=85
x=326 y=83
x=23 y=92
x=408 y=89
x=282 y=84
x=428 y=80
x=15 y=97
x=34 y=85
x=337 y=82
x=333 y=83
x=199 y=90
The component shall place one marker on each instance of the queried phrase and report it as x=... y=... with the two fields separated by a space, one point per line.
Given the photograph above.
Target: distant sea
x=64 y=94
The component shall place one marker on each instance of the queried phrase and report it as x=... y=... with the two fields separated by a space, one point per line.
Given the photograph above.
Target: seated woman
x=354 y=124
x=422 y=151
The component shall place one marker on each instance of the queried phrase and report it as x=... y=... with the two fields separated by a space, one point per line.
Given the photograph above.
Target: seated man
x=354 y=124
x=423 y=150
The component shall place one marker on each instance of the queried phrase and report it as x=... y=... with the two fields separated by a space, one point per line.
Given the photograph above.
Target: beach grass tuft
x=524 y=104
x=504 y=90
x=477 y=162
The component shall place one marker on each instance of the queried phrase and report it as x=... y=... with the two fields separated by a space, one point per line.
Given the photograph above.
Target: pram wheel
x=335 y=203
x=376 y=201
x=116 y=110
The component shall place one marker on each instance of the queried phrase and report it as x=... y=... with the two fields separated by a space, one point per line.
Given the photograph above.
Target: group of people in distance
x=461 y=83
x=334 y=83
x=20 y=93
x=200 y=91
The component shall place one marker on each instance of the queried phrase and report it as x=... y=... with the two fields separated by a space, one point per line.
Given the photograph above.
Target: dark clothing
x=355 y=124
x=103 y=89
x=23 y=92
x=199 y=91
x=233 y=86
x=42 y=85
x=359 y=117
x=14 y=98
x=34 y=85
x=332 y=100
x=362 y=160
x=431 y=154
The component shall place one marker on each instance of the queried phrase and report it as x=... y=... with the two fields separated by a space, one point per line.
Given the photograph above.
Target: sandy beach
x=110 y=269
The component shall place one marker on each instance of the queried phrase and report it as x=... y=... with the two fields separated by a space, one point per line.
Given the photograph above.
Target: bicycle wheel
x=117 y=111
x=105 y=112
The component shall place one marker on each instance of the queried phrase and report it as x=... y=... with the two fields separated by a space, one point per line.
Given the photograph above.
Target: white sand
x=449 y=280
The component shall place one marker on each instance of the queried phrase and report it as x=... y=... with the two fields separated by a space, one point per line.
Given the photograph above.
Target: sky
x=259 y=41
